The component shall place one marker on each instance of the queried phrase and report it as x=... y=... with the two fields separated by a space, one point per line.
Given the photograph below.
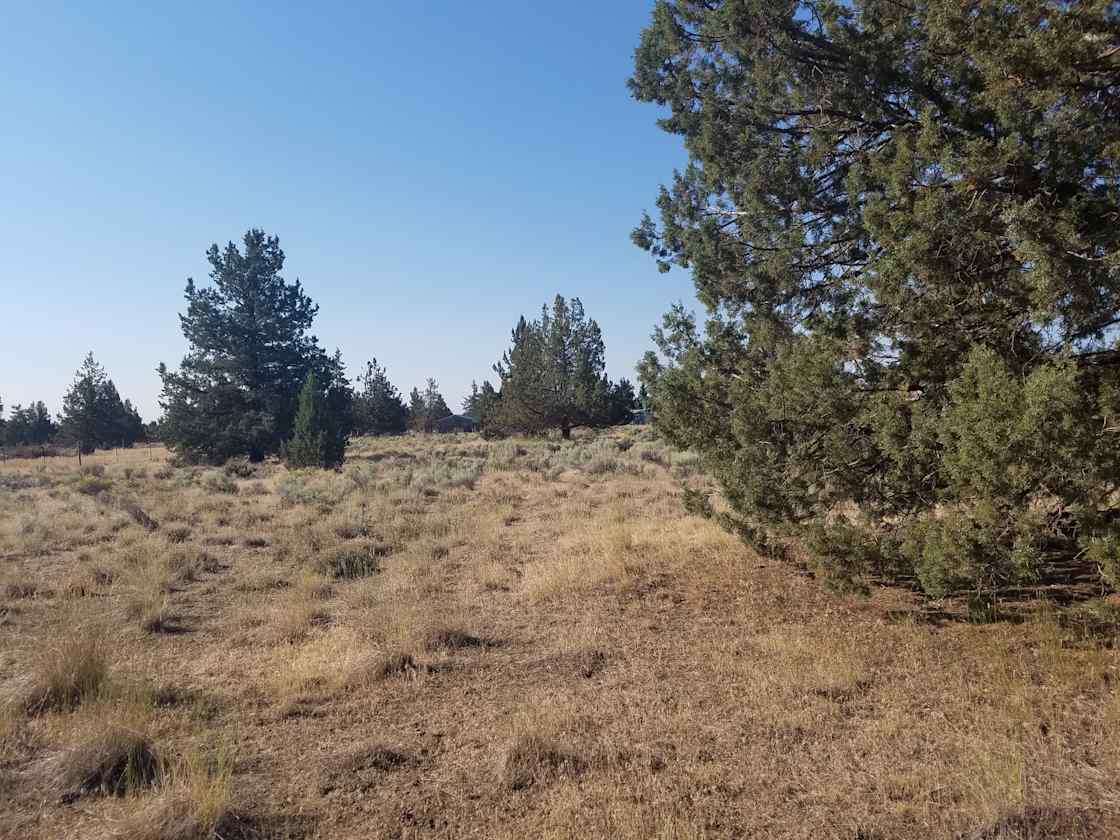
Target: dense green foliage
x=322 y=427
x=31 y=426
x=250 y=353
x=426 y=407
x=488 y=408
x=622 y=402
x=93 y=414
x=472 y=403
x=378 y=407
x=552 y=375
x=903 y=220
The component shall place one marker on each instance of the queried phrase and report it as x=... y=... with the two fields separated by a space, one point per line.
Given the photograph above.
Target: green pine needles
x=904 y=222
x=321 y=434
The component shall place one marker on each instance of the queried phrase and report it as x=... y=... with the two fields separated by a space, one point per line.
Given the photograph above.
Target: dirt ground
x=515 y=639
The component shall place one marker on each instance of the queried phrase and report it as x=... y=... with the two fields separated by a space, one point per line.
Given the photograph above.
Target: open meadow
x=453 y=637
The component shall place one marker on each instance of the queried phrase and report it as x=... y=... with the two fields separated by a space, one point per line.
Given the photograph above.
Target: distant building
x=454 y=423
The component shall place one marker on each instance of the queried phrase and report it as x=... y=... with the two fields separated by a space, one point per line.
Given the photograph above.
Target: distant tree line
x=31 y=426
x=256 y=382
x=93 y=416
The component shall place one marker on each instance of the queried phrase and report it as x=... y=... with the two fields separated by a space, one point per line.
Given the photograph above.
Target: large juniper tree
x=903 y=220
x=250 y=352
x=552 y=375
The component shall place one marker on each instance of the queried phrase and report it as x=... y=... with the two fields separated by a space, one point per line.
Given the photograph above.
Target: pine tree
x=321 y=428
x=417 y=411
x=426 y=407
x=471 y=403
x=250 y=353
x=308 y=446
x=121 y=424
x=552 y=375
x=622 y=403
x=901 y=220
x=379 y=409
x=86 y=408
x=31 y=426
x=41 y=427
x=489 y=411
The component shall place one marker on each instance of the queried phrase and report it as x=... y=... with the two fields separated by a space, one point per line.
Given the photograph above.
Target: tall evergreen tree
x=434 y=402
x=379 y=409
x=87 y=408
x=121 y=425
x=321 y=429
x=36 y=427
x=552 y=375
x=250 y=353
x=416 y=410
x=901 y=219
x=427 y=407
x=621 y=402
x=489 y=408
x=472 y=401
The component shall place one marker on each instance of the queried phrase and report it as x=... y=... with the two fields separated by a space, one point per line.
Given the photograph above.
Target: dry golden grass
x=61 y=675
x=192 y=802
x=452 y=637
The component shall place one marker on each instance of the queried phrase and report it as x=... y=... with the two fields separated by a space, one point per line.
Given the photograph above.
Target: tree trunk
x=566 y=432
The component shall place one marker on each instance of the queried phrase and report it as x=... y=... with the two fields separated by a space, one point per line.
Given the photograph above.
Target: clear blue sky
x=433 y=171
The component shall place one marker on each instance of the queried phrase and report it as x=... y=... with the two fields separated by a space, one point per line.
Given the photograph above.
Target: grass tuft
x=534 y=759
x=63 y=676
x=112 y=761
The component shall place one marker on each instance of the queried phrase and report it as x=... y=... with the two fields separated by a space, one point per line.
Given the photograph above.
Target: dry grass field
x=517 y=639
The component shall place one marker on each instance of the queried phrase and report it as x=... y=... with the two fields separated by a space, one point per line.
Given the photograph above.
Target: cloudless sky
x=433 y=170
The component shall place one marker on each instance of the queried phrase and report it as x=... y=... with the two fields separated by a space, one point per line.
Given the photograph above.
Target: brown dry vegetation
x=452 y=637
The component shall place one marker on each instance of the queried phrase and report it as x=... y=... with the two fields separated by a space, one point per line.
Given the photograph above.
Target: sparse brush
x=184 y=564
x=145 y=599
x=383 y=666
x=219 y=483
x=138 y=514
x=192 y=804
x=532 y=758
x=18 y=589
x=653 y=454
x=293 y=620
x=240 y=468
x=110 y=760
x=396 y=664
x=93 y=485
x=353 y=560
x=177 y=534
x=303 y=608
x=361 y=765
x=64 y=675
x=444 y=637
